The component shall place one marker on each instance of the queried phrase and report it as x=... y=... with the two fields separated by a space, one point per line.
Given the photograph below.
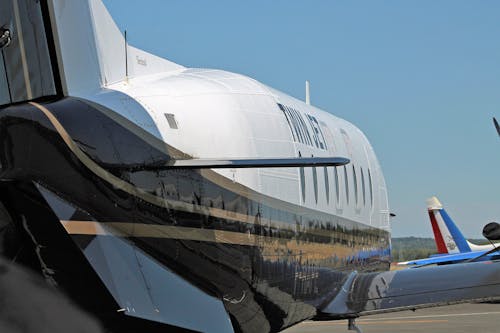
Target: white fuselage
x=220 y=115
x=217 y=114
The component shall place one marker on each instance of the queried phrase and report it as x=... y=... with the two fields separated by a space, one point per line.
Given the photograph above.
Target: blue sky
x=420 y=78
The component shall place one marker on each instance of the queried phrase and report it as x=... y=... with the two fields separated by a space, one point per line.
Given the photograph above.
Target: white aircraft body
x=225 y=115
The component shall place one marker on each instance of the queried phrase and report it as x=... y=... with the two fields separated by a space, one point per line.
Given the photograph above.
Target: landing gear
x=351 y=325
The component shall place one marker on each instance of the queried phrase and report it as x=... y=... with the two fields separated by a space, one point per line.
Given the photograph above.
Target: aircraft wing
x=445 y=258
x=290 y=162
x=409 y=289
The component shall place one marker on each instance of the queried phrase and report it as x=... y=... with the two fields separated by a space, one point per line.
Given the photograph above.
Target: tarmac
x=462 y=318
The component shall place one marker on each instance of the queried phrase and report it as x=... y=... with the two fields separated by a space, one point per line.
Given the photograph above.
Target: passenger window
x=302 y=182
x=327 y=185
x=346 y=180
x=337 y=185
x=371 y=187
x=355 y=181
x=363 y=186
x=315 y=180
x=297 y=125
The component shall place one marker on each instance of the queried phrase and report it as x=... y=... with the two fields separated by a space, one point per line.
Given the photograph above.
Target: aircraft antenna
x=308 y=96
x=126 y=57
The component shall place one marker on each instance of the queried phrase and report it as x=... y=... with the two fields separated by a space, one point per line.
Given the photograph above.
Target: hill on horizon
x=409 y=248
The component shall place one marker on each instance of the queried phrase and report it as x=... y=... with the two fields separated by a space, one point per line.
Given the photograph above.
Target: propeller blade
x=496 y=126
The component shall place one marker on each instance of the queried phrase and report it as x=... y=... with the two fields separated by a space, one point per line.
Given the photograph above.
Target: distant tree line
x=409 y=248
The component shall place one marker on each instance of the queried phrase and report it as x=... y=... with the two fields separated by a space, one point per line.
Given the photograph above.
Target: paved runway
x=463 y=318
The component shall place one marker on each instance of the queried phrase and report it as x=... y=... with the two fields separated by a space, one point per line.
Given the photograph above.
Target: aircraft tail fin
x=67 y=48
x=448 y=237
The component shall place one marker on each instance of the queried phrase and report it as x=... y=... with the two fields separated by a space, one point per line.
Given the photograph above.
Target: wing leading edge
x=233 y=163
x=451 y=258
x=259 y=163
x=409 y=289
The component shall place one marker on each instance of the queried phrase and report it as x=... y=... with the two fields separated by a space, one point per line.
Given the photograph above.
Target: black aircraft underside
x=190 y=248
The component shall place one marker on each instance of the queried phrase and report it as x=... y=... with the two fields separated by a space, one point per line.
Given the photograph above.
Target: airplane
x=451 y=244
x=163 y=197
x=447 y=235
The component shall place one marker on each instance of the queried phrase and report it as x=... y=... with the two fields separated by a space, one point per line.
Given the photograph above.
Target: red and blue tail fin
x=448 y=237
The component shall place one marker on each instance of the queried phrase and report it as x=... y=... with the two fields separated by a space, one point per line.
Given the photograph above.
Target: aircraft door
x=26 y=70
